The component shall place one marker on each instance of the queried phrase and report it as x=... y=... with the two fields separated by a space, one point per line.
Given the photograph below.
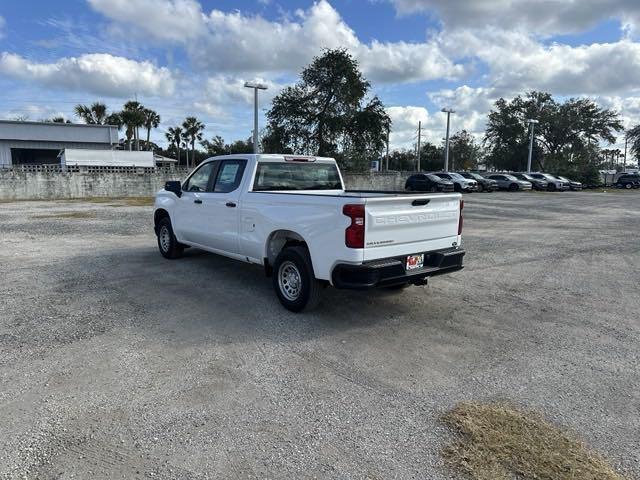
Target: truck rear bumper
x=391 y=271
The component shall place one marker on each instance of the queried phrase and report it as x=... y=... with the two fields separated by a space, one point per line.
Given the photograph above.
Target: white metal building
x=40 y=143
x=78 y=157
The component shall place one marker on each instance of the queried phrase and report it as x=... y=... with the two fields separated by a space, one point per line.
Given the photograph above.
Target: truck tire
x=628 y=186
x=294 y=281
x=167 y=242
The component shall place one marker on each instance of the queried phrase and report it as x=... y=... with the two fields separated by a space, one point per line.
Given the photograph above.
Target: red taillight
x=460 y=218
x=354 y=234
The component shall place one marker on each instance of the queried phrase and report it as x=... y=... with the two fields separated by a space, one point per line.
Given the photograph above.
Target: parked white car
x=555 y=184
x=293 y=216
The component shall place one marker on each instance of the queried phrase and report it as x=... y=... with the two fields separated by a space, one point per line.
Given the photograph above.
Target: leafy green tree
x=215 y=146
x=193 y=129
x=151 y=120
x=327 y=113
x=563 y=138
x=431 y=157
x=402 y=160
x=633 y=136
x=464 y=152
x=57 y=120
x=241 y=146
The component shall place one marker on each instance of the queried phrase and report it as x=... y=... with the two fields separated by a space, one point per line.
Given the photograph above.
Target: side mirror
x=174 y=186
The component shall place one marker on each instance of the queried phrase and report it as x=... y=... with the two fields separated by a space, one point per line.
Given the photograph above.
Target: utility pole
x=626 y=139
x=256 y=87
x=532 y=123
x=448 y=111
x=419 y=138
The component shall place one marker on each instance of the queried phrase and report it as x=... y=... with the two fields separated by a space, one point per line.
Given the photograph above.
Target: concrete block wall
x=50 y=185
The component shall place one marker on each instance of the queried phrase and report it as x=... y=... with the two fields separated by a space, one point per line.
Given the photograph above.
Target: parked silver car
x=555 y=184
x=509 y=182
x=573 y=185
x=537 y=183
x=460 y=183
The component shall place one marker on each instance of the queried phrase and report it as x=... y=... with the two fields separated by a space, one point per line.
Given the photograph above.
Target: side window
x=229 y=176
x=199 y=181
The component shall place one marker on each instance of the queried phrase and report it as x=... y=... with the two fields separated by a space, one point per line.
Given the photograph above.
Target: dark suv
x=628 y=181
x=426 y=182
x=484 y=184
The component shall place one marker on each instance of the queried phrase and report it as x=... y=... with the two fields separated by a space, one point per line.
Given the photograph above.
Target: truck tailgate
x=406 y=224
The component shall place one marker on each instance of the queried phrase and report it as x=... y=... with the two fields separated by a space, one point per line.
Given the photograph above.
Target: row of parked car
x=474 y=182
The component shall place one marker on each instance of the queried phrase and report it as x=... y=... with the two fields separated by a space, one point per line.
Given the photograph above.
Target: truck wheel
x=628 y=186
x=167 y=242
x=294 y=281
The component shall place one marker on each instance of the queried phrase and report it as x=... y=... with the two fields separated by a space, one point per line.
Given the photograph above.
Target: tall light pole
x=419 y=139
x=448 y=111
x=387 y=157
x=256 y=86
x=532 y=123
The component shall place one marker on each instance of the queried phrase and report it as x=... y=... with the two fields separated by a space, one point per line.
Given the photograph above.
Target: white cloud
x=544 y=17
x=221 y=92
x=403 y=62
x=471 y=106
x=224 y=43
x=517 y=62
x=101 y=74
x=173 y=20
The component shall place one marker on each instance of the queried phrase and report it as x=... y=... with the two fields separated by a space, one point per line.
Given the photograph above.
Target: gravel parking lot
x=116 y=363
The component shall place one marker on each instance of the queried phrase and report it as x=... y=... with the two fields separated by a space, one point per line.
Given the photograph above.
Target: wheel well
x=158 y=215
x=278 y=241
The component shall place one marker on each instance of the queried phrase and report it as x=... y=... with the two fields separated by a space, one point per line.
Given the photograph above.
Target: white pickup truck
x=292 y=215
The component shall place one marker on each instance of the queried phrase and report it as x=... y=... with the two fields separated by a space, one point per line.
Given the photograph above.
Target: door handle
x=197 y=200
x=417 y=203
x=230 y=204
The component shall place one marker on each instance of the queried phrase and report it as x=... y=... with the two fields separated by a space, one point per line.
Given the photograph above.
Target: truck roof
x=274 y=157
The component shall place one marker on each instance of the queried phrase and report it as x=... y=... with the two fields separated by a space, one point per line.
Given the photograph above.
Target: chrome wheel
x=289 y=280
x=165 y=238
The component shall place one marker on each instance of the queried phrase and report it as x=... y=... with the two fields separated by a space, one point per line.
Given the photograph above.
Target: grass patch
x=84 y=214
x=500 y=442
x=120 y=201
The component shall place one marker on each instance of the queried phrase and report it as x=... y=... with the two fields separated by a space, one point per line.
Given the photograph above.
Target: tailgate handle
x=417 y=203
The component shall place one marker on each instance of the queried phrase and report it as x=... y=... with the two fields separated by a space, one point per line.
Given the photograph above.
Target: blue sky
x=190 y=57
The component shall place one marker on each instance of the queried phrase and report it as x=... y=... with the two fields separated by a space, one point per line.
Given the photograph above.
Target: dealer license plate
x=415 y=261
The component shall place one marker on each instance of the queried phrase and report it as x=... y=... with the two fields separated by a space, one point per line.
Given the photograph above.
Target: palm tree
x=96 y=114
x=136 y=117
x=174 y=136
x=193 y=130
x=130 y=119
x=151 y=120
x=114 y=119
